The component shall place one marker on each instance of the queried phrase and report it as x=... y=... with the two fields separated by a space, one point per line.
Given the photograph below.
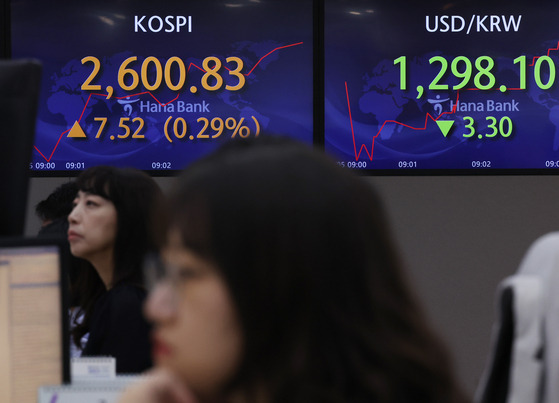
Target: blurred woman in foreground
x=280 y=283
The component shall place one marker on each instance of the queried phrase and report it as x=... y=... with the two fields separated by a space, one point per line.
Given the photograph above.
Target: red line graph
x=427 y=117
x=363 y=146
x=153 y=96
x=548 y=51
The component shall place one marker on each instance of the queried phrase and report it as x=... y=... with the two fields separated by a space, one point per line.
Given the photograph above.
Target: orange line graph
x=153 y=96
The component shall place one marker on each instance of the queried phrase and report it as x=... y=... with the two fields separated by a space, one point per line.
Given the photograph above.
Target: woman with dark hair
x=281 y=284
x=110 y=227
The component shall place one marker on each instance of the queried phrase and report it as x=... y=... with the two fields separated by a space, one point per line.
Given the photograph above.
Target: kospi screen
x=442 y=87
x=157 y=84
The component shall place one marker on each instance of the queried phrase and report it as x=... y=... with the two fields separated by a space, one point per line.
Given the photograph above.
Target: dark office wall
x=459 y=236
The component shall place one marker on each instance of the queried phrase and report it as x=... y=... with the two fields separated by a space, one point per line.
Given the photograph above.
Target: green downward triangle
x=445 y=126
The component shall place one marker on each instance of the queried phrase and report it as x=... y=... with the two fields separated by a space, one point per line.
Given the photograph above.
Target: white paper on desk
x=79 y=393
x=86 y=369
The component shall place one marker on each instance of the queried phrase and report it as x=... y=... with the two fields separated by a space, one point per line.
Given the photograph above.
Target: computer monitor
x=34 y=337
x=19 y=95
x=442 y=87
x=227 y=69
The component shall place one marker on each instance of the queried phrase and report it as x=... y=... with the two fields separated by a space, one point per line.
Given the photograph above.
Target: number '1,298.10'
x=461 y=67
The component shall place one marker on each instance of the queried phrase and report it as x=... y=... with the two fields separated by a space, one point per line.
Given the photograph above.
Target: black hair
x=58 y=204
x=305 y=249
x=53 y=212
x=135 y=196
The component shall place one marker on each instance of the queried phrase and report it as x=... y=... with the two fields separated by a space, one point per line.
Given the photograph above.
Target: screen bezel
x=5 y=50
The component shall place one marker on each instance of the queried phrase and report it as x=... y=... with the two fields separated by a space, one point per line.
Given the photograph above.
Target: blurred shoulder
x=126 y=296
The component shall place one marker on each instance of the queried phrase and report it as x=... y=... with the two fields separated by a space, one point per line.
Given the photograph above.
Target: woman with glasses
x=110 y=228
x=281 y=284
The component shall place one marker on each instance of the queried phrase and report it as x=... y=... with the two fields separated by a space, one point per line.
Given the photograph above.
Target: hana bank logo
x=437 y=104
x=127 y=104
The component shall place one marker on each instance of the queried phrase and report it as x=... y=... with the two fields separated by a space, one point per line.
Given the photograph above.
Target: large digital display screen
x=155 y=85
x=442 y=87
